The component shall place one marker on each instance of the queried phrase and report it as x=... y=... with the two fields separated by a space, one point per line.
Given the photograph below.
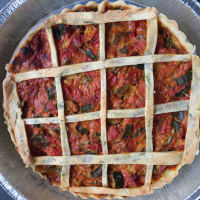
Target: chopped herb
x=62 y=29
x=176 y=126
x=123 y=50
x=179 y=116
x=119 y=179
x=51 y=93
x=139 y=66
x=27 y=50
x=90 y=152
x=55 y=130
x=59 y=30
x=168 y=140
x=82 y=130
x=86 y=79
x=169 y=42
x=184 y=79
x=116 y=39
x=90 y=54
x=123 y=89
x=128 y=130
x=87 y=108
x=67 y=61
x=97 y=172
x=97 y=134
x=183 y=92
x=39 y=139
x=139 y=132
x=46 y=109
x=116 y=70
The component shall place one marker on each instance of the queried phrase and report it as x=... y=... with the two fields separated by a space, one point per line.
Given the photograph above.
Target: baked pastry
x=102 y=100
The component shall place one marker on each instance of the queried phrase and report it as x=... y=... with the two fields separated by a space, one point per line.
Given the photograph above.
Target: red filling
x=35 y=55
x=38 y=98
x=168 y=43
x=127 y=135
x=169 y=130
x=76 y=44
x=44 y=140
x=86 y=175
x=126 y=87
x=82 y=92
x=85 y=137
x=125 y=38
x=172 y=81
x=126 y=176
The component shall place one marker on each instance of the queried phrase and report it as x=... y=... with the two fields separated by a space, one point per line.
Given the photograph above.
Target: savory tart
x=102 y=100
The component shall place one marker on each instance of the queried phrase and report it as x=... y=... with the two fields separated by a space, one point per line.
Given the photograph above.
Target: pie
x=103 y=100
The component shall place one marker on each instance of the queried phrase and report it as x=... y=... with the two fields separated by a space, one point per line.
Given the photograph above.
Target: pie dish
x=124 y=166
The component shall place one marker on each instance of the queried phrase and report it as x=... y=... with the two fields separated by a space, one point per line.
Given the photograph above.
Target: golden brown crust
x=15 y=123
x=101 y=16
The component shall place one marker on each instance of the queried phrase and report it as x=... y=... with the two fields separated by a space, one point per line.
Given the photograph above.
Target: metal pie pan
x=16 y=19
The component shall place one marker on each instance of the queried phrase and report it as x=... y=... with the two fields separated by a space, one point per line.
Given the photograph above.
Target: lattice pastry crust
x=16 y=124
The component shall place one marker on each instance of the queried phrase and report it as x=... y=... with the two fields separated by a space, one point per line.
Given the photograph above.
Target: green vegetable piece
x=168 y=140
x=139 y=66
x=55 y=130
x=90 y=54
x=169 y=42
x=116 y=39
x=51 y=93
x=184 y=79
x=139 y=132
x=82 y=130
x=97 y=172
x=128 y=130
x=67 y=61
x=123 y=50
x=123 y=89
x=87 y=108
x=59 y=30
x=97 y=134
x=119 y=179
x=183 y=92
x=39 y=139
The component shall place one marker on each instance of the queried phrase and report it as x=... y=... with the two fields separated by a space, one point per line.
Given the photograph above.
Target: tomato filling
x=172 y=81
x=126 y=135
x=168 y=43
x=125 y=38
x=38 y=98
x=44 y=139
x=158 y=171
x=82 y=92
x=51 y=172
x=126 y=176
x=126 y=87
x=76 y=44
x=85 y=137
x=169 y=130
x=35 y=55
x=86 y=175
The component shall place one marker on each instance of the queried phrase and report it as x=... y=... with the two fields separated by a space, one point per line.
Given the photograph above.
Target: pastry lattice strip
x=148 y=158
